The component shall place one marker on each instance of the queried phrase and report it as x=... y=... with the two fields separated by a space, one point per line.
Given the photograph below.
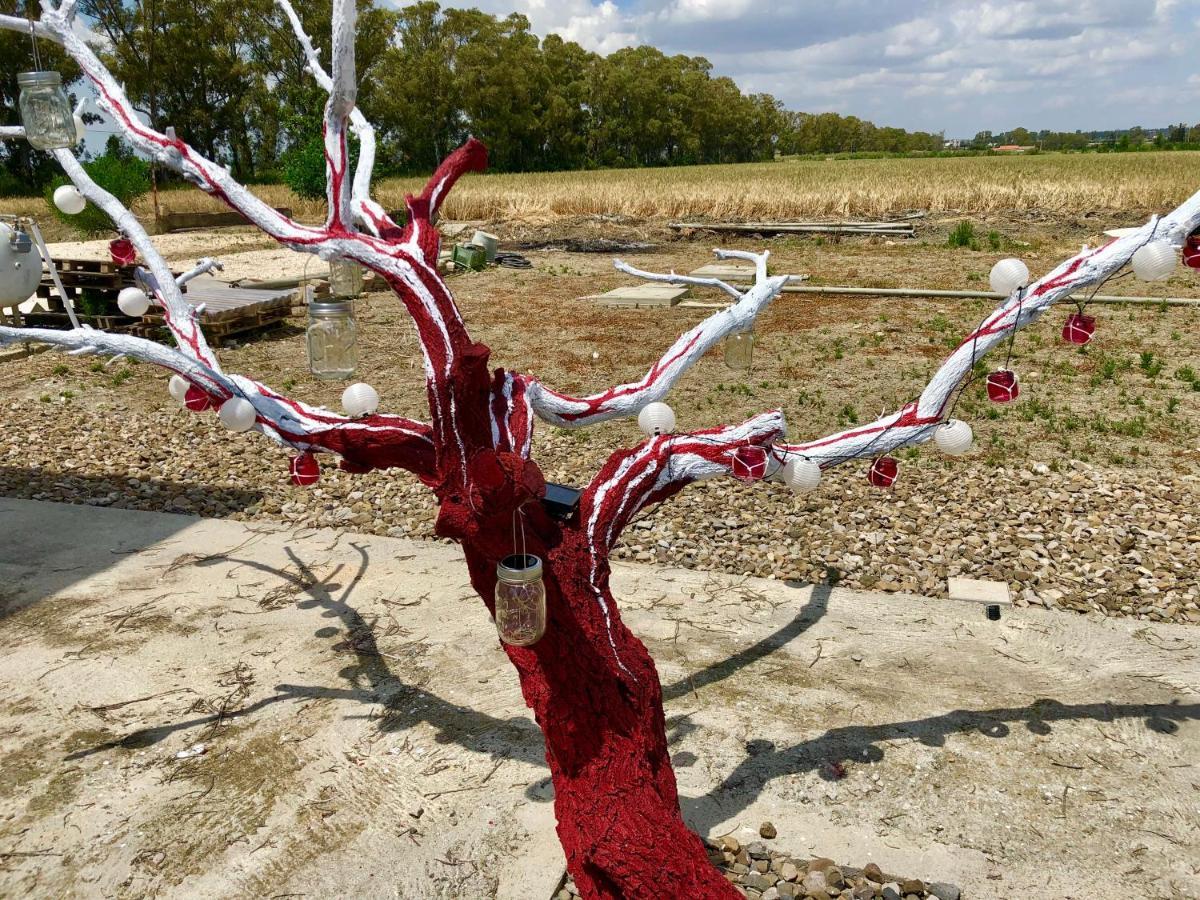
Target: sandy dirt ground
x=362 y=734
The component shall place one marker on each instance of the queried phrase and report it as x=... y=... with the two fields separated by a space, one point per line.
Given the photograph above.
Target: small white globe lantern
x=656 y=418
x=801 y=474
x=133 y=302
x=360 y=400
x=1007 y=275
x=237 y=414
x=1154 y=261
x=68 y=199
x=178 y=386
x=954 y=437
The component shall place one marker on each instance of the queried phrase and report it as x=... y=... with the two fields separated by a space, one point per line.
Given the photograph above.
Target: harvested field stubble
x=1132 y=184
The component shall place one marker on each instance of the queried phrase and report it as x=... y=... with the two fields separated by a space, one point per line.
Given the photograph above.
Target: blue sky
x=951 y=65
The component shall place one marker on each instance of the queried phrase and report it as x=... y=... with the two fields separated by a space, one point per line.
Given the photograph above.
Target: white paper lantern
x=360 y=400
x=133 y=302
x=178 y=386
x=1154 y=261
x=237 y=414
x=656 y=418
x=954 y=437
x=80 y=128
x=68 y=199
x=801 y=474
x=1008 y=275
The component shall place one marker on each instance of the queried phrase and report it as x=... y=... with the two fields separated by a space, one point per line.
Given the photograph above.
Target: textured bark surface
x=595 y=694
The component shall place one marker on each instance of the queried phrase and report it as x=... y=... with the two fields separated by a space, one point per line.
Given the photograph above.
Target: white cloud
x=952 y=65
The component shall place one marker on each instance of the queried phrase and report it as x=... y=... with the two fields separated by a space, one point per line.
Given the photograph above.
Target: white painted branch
x=916 y=422
x=11 y=132
x=675 y=278
x=628 y=399
x=16 y=23
x=285 y=421
x=368 y=213
x=56 y=25
x=662 y=465
x=759 y=260
x=179 y=314
x=203 y=267
x=342 y=94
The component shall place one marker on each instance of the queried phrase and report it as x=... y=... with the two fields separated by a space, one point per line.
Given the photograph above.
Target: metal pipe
x=979 y=295
x=68 y=303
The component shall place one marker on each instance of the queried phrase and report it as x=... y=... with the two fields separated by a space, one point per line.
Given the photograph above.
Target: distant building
x=1013 y=148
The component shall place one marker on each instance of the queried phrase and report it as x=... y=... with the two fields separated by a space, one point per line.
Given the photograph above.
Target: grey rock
x=943 y=891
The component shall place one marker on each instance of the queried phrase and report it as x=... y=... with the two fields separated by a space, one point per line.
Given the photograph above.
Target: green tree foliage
x=24 y=170
x=120 y=173
x=231 y=79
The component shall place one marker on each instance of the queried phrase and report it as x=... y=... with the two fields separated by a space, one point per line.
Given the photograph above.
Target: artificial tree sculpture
x=590 y=682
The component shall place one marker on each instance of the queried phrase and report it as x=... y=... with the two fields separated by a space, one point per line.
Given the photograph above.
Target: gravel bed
x=1083 y=538
x=761 y=873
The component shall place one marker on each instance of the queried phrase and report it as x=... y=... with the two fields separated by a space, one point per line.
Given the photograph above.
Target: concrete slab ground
x=642 y=295
x=200 y=708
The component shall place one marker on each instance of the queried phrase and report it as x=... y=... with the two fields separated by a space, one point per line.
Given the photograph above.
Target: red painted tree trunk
x=614 y=789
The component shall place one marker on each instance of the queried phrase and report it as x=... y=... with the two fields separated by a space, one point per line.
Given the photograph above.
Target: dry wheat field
x=1131 y=184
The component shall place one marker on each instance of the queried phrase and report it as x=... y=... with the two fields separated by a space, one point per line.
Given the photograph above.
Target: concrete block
x=726 y=271
x=979 y=590
x=643 y=295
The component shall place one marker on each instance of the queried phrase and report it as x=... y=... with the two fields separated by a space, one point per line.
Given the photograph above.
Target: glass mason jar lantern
x=345 y=278
x=45 y=111
x=332 y=340
x=520 y=600
x=739 y=351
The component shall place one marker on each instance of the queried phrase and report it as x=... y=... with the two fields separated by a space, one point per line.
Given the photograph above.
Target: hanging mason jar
x=739 y=350
x=332 y=340
x=345 y=278
x=520 y=600
x=45 y=111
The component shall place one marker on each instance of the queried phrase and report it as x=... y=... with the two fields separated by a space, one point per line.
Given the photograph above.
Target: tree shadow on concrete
x=830 y=753
x=369 y=677
x=814 y=609
x=48 y=547
x=372 y=681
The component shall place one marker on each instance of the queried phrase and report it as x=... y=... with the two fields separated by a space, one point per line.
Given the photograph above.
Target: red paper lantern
x=1003 y=386
x=1078 y=329
x=750 y=463
x=122 y=252
x=304 y=469
x=197 y=400
x=1191 y=251
x=884 y=471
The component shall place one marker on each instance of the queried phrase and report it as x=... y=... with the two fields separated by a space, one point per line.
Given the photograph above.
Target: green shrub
x=963 y=235
x=304 y=169
x=125 y=177
x=11 y=185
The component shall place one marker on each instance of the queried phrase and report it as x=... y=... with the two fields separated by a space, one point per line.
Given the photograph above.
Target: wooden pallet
x=229 y=310
x=117 y=324
x=99 y=276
